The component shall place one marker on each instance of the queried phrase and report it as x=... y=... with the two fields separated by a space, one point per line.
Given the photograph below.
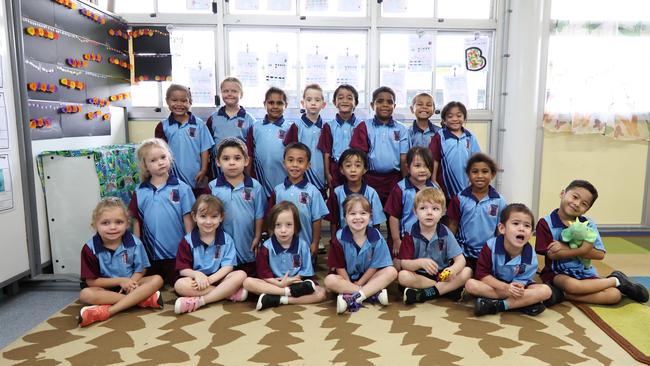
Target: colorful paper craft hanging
x=119 y=33
x=93 y=57
x=40 y=123
x=93 y=115
x=72 y=84
x=67 y=3
x=70 y=109
x=106 y=117
x=97 y=101
x=93 y=16
x=120 y=96
x=73 y=62
x=41 y=32
x=42 y=87
x=147 y=32
x=116 y=61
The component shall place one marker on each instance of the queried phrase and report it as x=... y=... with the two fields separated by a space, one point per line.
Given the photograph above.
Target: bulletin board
x=76 y=65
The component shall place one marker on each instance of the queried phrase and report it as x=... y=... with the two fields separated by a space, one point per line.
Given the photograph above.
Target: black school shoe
x=455 y=295
x=484 y=306
x=533 y=310
x=633 y=290
x=266 y=301
x=557 y=296
x=302 y=288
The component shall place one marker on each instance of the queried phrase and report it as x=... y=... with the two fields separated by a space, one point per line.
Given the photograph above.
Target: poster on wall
x=276 y=69
x=6 y=192
x=201 y=85
x=420 y=52
x=396 y=79
x=476 y=53
x=347 y=69
x=316 y=69
x=455 y=89
x=4 y=125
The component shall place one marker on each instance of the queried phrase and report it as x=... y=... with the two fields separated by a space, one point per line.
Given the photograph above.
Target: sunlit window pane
x=184 y=6
x=145 y=94
x=191 y=68
x=262 y=7
x=133 y=7
x=622 y=10
x=407 y=8
x=334 y=8
x=464 y=9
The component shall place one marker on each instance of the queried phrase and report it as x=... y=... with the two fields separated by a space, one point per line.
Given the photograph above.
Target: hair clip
x=67 y=3
x=41 y=32
x=40 y=123
x=69 y=109
x=93 y=115
x=72 y=84
x=73 y=62
x=119 y=96
x=93 y=16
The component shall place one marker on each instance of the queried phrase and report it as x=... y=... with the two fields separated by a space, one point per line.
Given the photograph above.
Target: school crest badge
x=493 y=210
x=192 y=132
x=282 y=134
x=297 y=261
x=303 y=198
x=247 y=194
x=396 y=136
x=175 y=195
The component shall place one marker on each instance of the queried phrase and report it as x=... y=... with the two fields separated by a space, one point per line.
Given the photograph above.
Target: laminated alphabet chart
x=276 y=69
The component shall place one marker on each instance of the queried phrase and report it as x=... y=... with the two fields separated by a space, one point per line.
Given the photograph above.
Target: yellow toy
x=444 y=275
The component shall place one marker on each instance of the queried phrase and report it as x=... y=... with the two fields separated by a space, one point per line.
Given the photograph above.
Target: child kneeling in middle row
x=432 y=261
x=283 y=261
x=206 y=258
x=359 y=260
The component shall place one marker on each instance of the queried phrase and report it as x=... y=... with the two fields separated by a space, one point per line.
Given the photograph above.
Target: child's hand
x=397 y=243
x=429 y=265
x=313 y=248
x=516 y=289
x=328 y=179
x=255 y=245
x=127 y=285
x=555 y=247
x=201 y=280
x=199 y=178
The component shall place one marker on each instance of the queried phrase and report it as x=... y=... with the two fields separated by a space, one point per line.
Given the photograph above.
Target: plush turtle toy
x=576 y=233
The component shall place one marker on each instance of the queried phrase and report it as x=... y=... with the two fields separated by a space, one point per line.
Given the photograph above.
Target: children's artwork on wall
x=420 y=56
x=476 y=53
x=4 y=123
x=201 y=84
x=631 y=126
x=276 y=69
x=44 y=111
x=349 y=5
x=316 y=5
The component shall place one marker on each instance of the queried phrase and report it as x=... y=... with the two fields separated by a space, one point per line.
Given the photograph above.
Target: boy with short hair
x=297 y=189
x=308 y=130
x=506 y=266
x=423 y=107
x=563 y=269
x=432 y=261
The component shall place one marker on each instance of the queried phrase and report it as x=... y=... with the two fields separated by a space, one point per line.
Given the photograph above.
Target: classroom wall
x=616 y=168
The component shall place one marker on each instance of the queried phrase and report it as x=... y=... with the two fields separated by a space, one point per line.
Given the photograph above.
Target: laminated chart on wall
x=316 y=5
x=6 y=191
x=420 y=57
x=347 y=69
x=202 y=84
x=247 y=4
x=395 y=6
x=349 y=5
x=276 y=69
x=279 y=5
x=316 y=69
x=4 y=123
x=477 y=52
x=395 y=79
x=455 y=89
x=247 y=70
x=197 y=4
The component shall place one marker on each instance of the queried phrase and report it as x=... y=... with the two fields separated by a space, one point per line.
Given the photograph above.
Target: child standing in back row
x=161 y=207
x=386 y=143
x=422 y=131
x=188 y=138
x=336 y=135
x=231 y=120
x=451 y=147
x=265 y=141
x=308 y=130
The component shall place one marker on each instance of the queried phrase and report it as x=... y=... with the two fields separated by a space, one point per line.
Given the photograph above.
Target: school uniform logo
x=240 y=123
x=442 y=244
x=175 y=195
x=217 y=252
x=282 y=134
x=192 y=132
x=303 y=198
x=370 y=254
x=396 y=135
x=125 y=257
x=247 y=194
x=467 y=144
x=296 y=260
x=493 y=210
x=518 y=269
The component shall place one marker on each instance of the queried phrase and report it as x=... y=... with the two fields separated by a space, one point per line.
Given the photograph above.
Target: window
x=464 y=9
x=334 y=8
x=453 y=9
x=191 y=68
x=184 y=6
x=262 y=7
x=145 y=94
x=133 y=7
x=407 y=8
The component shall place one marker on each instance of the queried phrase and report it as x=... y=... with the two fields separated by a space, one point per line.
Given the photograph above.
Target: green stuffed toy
x=579 y=232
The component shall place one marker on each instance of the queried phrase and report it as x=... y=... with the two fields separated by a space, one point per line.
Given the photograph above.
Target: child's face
x=275 y=106
x=357 y=217
x=179 y=103
x=517 y=230
x=575 y=202
x=232 y=162
x=284 y=227
x=353 y=169
x=207 y=221
x=345 y=101
x=111 y=225
x=296 y=163
x=231 y=93
x=419 y=171
x=454 y=119
x=313 y=102
x=384 y=106
x=157 y=162
x=480 y=175
x=423 y=107
x=428 y=214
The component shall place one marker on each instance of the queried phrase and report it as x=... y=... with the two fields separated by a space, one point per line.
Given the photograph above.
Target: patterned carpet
x=436 y=333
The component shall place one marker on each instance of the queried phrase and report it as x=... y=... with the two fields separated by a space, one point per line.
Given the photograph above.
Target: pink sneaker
x=92 y=314
x=239 y=296
x=187 y=304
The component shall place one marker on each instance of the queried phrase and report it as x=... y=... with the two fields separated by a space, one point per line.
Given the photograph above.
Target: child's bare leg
x=319 y=295
x=583 y=287
x=481 y=289
x=99 y=296
x=606 y=297
x=455 y=282
x=146 y=287
x=258 y=286
x=340 y=285
x=228 y=286
x=533 y=294
x=379 y=280
x=410 y=279
x=183 y=287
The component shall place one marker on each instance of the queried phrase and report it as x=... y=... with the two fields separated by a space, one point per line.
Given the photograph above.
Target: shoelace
x=353 y=305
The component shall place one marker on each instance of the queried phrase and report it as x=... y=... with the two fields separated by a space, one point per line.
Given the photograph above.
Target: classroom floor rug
x=440 y=332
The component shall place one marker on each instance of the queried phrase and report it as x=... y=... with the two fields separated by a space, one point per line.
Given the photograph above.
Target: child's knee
x=390 y=272
x=465 y=274
x=544 y=292
x=239 y=275
x=612 y=295
x=472 y=286
x=157 y=281
x=404 y=277
x=248 y=283
x=86 y=296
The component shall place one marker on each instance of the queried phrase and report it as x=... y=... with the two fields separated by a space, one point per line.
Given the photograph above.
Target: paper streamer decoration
x=121 y=63
x=97 y=101
x=93 y=115
x=147 y=32
x=67 y=3
x=93 y=16
x=93 y=57
x=70 y=109
x=42 y=32
x=119 y=33
x=72 y=62
x=72 y=84
x=40 y=123
x=120 y=96
x=42 y=87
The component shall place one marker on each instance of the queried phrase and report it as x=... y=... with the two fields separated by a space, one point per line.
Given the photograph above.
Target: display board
x=76 y=64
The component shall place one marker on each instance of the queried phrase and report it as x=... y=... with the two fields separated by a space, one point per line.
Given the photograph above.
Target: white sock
x=618 y=283
x=361 y=297
x=201 y=301
x=284 y=300
x=287 y=292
